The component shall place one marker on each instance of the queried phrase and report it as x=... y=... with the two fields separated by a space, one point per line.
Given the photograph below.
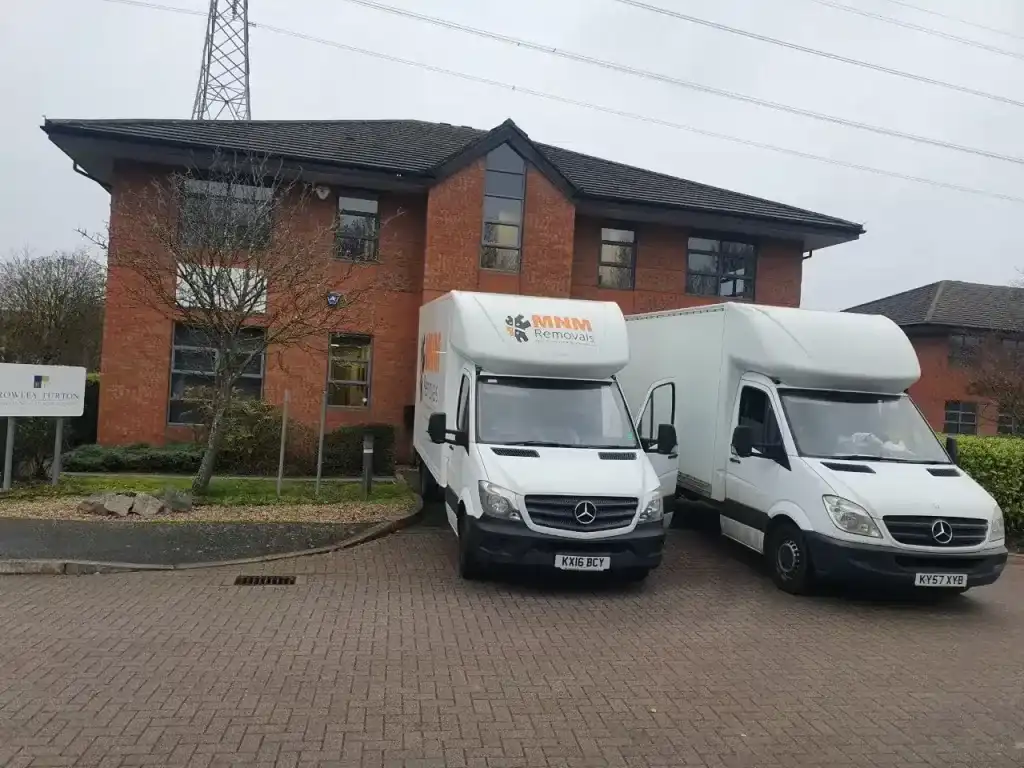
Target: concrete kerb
x=85 y=567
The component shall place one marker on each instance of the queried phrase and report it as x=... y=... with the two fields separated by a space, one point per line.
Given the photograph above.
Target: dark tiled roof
x=416 y=147
x=953 y=303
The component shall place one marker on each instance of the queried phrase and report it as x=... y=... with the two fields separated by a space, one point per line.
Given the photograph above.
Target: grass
x=226 y=492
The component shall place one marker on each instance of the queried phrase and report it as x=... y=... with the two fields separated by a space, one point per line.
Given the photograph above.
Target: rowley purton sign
x=41 y=390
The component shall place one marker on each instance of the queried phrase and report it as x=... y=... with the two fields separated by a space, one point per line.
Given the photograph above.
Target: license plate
x=582 y=563
x=940 y=580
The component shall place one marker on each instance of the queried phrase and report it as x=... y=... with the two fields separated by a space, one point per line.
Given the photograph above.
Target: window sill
x=348 y=407
x=367 y=262
x=502 y=271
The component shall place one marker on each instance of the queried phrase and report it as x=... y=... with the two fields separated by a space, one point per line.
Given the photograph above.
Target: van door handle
x=734 y=461
x=673 y=456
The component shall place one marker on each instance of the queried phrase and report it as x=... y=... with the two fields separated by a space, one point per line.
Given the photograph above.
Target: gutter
x=78 y=169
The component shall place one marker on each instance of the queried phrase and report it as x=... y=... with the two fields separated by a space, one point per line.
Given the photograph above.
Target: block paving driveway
x=380 y=656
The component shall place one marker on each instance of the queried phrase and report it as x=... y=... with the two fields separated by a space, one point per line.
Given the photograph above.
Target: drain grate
x=264 y=581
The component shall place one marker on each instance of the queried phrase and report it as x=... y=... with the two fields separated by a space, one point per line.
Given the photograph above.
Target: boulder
x=177 y=501
x=95 y=504
x=118 y=504
x=145 y=505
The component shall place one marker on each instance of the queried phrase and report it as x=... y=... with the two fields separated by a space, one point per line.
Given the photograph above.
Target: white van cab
x=520 y=423
x=796 y=426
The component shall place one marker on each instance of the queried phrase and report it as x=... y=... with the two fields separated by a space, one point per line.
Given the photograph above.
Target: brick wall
x=661 y=270
x=941 y=381
x=429 y=244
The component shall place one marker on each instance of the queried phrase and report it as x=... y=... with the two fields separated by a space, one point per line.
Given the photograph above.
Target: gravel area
x=349 y=512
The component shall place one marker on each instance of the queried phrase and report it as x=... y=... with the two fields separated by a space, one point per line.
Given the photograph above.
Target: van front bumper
x=500 y=542
x=863 y=564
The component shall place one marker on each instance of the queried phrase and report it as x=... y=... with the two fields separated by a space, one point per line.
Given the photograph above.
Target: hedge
x=997 y=463
x=343 y=455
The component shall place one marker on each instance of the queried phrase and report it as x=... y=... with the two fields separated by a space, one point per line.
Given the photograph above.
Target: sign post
x=48 y=391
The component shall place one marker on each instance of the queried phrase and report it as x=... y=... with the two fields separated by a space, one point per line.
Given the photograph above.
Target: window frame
x=339 y=212
x=211 y=375
x=959 y=355
x=519 y=226
x=264 y=206
x=769 y=408
x=462 y=405
x=361 y=337
x=652 y=440
x=1008 y=426
x=956 y=406
x=633 y=248
x=720 y=273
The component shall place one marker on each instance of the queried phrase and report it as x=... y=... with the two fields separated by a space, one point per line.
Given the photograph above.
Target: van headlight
x=498 y=502
x=654 y=509
x=851 y=517
x=997 y=529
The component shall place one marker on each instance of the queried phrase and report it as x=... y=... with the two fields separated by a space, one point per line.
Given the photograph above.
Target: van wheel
x=428 y=486
x=789 y=559
x=469 y=568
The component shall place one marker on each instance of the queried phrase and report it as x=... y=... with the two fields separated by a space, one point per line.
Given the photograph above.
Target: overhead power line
x=919 y=28
x=594 y=107
x=823 y=54
x=658 y=77
x=957 y=19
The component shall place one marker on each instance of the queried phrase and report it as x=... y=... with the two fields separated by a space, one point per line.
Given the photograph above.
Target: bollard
x=367 y=464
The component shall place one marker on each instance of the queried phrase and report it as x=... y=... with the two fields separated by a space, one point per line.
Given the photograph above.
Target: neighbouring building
x=482 y=210
x=950 y=323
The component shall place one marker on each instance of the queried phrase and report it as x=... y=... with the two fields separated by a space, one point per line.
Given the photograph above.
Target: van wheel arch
x=787 y=556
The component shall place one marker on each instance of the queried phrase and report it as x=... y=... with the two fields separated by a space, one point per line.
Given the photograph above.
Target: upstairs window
x=225 y=216
x=720 y=268
x=358 y=230
x=617 y=264
x=963 y=348
x=504 y=193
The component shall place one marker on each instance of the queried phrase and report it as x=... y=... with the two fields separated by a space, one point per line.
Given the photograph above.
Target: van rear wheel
x=428 y=486
x=469 y=567
x=789 y=559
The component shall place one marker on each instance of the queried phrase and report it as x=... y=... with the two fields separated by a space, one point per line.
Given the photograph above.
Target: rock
x=95 y=504
x=178 y=501
x=145 y=505
x=118 y=504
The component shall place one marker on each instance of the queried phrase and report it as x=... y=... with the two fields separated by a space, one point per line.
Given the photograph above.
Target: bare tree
x=996 y=373
x=234 y=253
x=51 y=308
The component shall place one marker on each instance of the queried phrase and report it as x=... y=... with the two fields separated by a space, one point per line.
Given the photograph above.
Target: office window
x=962 y=348
x=504 y=193
x=358 y=230
x=225 y=215
x=348 y=371
x=961 y=418
x=194 y=365
x=617 y=262
x=720 y=268
x=1010 y=425
x=232 y=288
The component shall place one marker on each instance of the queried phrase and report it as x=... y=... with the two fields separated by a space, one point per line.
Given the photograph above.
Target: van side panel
x=432 y=390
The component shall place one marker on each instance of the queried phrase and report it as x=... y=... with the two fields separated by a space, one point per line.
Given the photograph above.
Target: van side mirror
x=437 y=427
x=953 y=449
x=743 y=441
x=667 y=441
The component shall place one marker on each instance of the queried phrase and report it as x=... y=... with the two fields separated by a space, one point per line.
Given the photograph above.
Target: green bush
x=997 y=463
x=343 y=450
x=182 y=459
x=33 y=445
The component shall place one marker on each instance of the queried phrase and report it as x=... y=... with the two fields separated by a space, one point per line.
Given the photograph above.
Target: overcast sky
x=95 y=59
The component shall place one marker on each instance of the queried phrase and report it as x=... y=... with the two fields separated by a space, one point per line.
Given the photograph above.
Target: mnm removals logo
x=569 y=330
x=430 y=362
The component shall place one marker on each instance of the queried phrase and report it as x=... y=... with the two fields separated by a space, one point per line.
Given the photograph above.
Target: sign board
x=41 y=390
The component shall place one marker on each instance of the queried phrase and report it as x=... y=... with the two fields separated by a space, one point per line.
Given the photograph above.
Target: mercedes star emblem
x=585 y=512
x=942 y=532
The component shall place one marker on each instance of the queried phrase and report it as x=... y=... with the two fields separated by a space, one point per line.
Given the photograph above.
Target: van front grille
x=560 y=512
x=920 y=530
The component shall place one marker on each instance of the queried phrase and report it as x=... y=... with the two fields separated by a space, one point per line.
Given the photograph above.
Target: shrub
x=33 y=445
x=182 y=459
x=252 y=442
x=343 y=450
x=997 y=463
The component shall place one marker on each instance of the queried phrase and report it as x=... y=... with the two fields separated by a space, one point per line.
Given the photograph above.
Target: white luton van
x=521 y=426
x=796 y=426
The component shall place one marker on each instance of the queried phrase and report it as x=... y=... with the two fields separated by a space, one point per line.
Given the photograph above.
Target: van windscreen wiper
x=546 y=444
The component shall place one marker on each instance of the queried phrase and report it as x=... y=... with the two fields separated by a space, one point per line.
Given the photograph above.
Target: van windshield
x=846 y=425
x=552 y=412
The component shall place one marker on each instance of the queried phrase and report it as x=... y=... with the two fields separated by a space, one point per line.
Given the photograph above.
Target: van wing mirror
x=437 y=427
x=953 y=449
x=667 y=441
x=743 y=441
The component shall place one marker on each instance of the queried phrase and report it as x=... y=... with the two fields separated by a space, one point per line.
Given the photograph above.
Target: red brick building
x=951 y=324
x=482 y=210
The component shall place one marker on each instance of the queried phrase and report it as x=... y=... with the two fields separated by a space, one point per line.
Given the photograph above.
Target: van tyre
x=428 y=486
x=789 y=559
x=469 y=567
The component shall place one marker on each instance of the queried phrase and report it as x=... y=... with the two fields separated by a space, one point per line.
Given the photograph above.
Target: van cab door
x=754 y=483
x=457 y=456
x=660 y=408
